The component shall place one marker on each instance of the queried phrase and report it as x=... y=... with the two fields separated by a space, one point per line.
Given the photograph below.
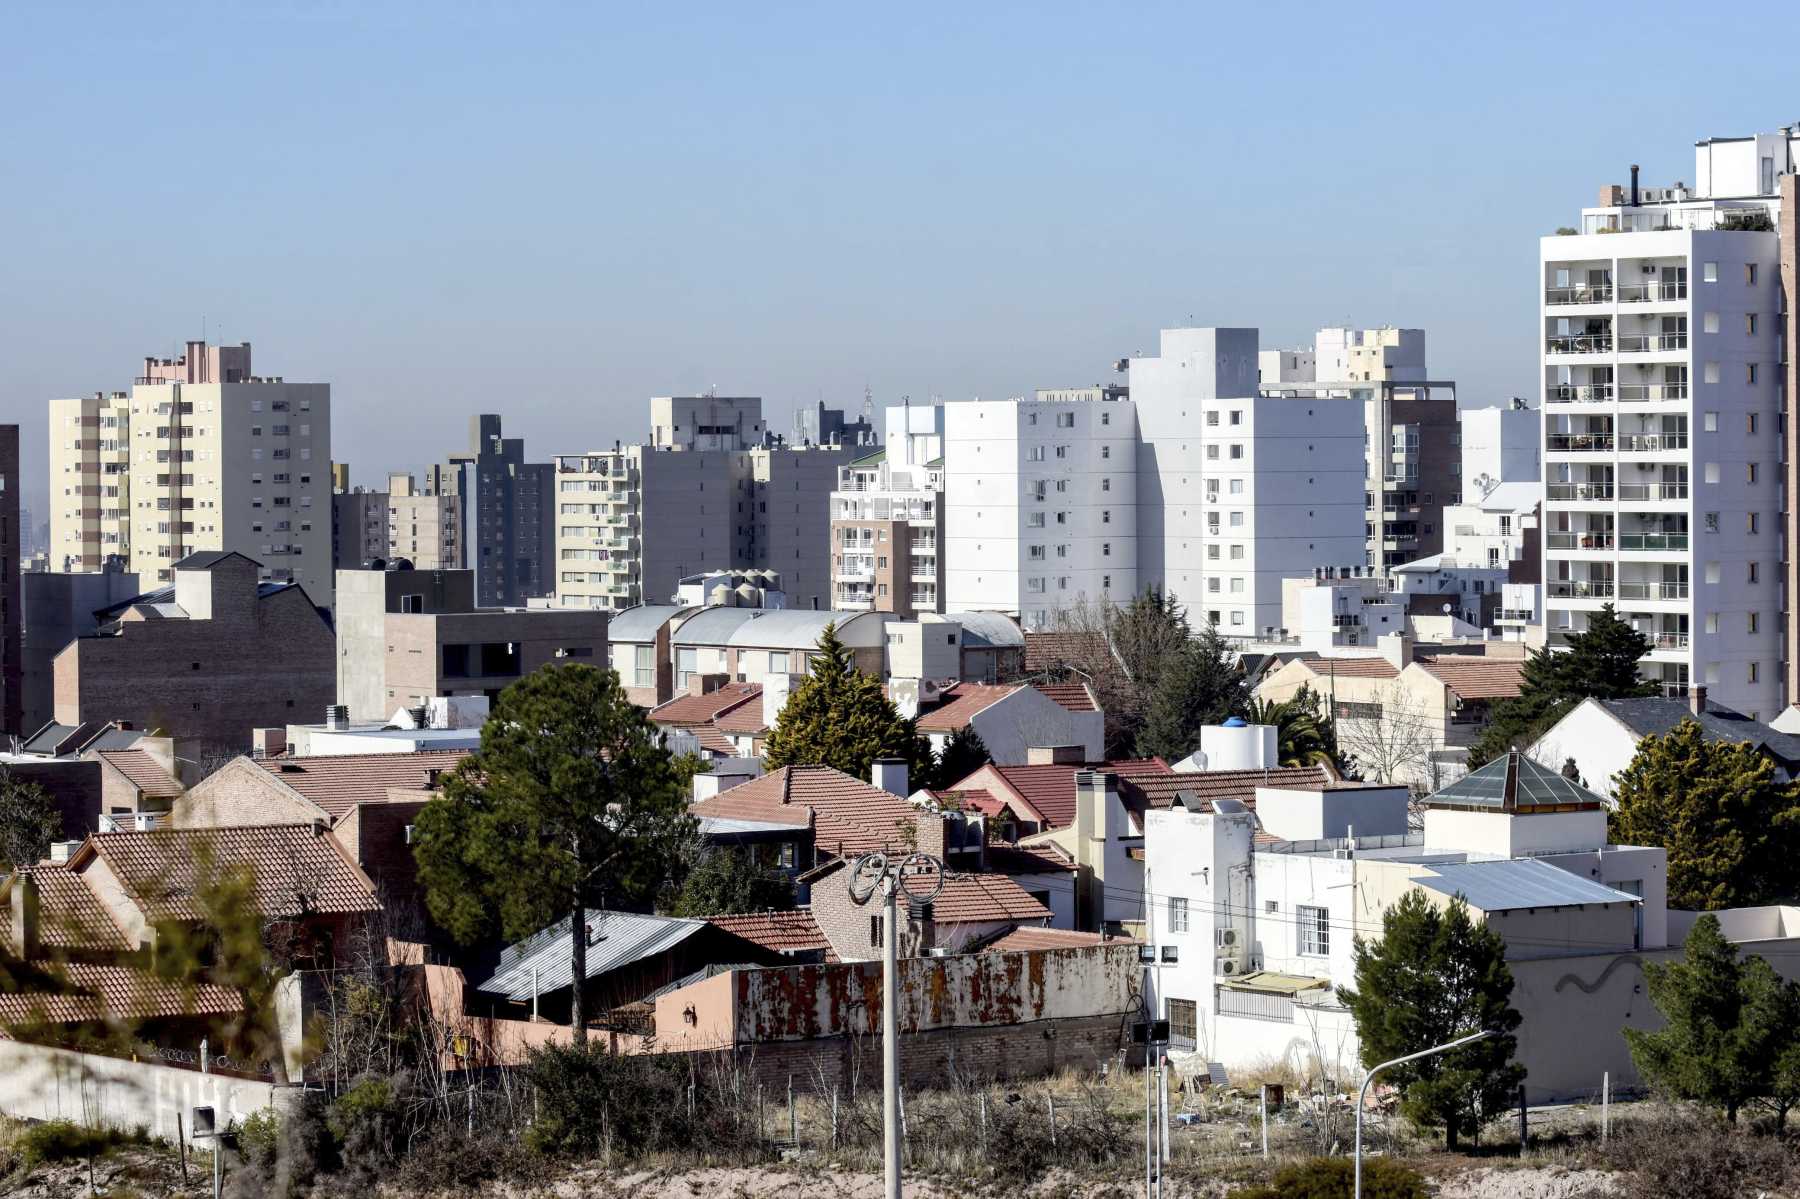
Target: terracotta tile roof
x=90 y=992
x=1024 y=939
x=981 y=898
x=958 y=706
x=144 y=771
x=974 y=801
x=1028 y=859
x=849 y=815
x=340 y=782
x=783 y=932
x=1241 y=785
x=1469 y=677
x=746 y=718
x=70 y=915
x=713 y=741
x=300 y=869
x=685 y=710
x=1050 y=790
x=1351 y=668
x=1046 y=651
x=1074 y=696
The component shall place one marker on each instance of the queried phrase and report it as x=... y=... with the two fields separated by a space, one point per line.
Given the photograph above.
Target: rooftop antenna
x=868 y=403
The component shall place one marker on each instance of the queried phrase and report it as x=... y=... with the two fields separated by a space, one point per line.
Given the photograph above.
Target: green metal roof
x=875 y=459
x=1512 y=782
x=935 y=464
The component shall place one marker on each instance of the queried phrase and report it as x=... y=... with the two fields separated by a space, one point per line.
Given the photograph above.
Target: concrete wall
x=57 y=608
x=42 y=1083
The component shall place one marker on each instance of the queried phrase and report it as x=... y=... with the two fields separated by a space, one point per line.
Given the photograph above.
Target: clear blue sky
x=555 y=213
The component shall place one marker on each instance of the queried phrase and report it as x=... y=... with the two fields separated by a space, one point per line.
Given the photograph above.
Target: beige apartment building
x=424 y=529
x=203 y=455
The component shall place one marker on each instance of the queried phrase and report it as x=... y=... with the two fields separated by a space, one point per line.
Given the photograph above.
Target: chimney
x=1397 y=648
x=1055 y=755
x=775 y=688
x=889 y=774
x=1697 y=700
x=1611 y=195
x=924 y=925
x=705 y=684
x=1634 y=185
x=25 y=916
x=337 y=718
x=268 y=743
x=318 y=826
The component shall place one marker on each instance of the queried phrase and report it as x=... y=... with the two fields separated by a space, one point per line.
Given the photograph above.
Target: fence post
x=1050 y=1102
x=793 y=1120
x=1605 y=1105
x=1524 y=1132
x=982 y=1100
x=905 y=1145
x=1263 y=1103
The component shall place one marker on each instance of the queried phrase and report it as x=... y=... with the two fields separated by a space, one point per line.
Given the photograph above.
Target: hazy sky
x=555 y=213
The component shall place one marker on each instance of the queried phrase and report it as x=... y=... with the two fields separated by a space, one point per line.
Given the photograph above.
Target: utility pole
x=1363 y=1091
x=877 y=872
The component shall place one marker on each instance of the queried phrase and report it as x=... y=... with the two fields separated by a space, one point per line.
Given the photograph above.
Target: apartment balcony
x=1580 y=343
x=1652 y=443
x=1596 y=294
x=1652 y=343
x=1579 y=393
x=1653 y=491
x=1654 y=542
x=1578 y=541
x=1579 y=443
x=1578 y=492
x=1596 y=589
x=863 y=574
x=1514 y=616
x=1653 y=591
x=1652 y=293
x=1653 y=391
x=1667 y=641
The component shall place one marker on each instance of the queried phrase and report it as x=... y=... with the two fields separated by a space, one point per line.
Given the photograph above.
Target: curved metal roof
x=988 y=629
x=796 y=628
x=712 y=626
x=639 y=623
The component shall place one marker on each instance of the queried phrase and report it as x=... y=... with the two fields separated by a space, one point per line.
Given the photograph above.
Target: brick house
x=970 y=910
x=209 y=658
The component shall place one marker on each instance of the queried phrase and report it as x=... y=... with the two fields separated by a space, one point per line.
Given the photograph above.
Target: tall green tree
x=1729 y=1023
x=29 y=821
x=1200 y=686
x=727 y=879
x=840 y=717
x=1436 y=975
x=1732 y=831
x=571 y=802
x=964 y=753
x=1305 y=734
x=1121 y=652
x=1601 y=663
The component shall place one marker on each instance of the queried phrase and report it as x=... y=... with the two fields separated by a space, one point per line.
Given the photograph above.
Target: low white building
x=1324 y=611
x=1469 y=589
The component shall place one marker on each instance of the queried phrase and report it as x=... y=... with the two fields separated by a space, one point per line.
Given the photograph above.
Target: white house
x=1011 y=720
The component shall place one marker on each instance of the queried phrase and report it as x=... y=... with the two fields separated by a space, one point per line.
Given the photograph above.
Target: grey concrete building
x=406 y=636
x=508 y=514
x=58 y=607
x=12 y=715
x=359 y=528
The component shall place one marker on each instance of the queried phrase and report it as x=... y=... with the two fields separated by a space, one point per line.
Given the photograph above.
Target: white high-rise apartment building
x=1663 y=450
x=208 y=456
x=1237 y=490
x=887 y=519
x=1040 y=503
x=711 y=491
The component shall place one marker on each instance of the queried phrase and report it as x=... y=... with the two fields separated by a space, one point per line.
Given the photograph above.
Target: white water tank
x=1233 y=745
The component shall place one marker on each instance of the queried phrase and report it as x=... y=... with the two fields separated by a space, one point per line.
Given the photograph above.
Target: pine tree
x=964 y=753
x=29 y=821
x=1201 y=686
x=1436 y=975
x=842 y=718
x=571 y=802
x=726 y=879
x=1732 y=831
x=1601 y=663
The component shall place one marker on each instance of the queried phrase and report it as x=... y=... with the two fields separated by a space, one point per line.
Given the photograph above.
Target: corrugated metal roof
x=987 y=629
x=712 y=626
x=615 y=939
x=639 y=623
x=1510 y=883
x=796 y=628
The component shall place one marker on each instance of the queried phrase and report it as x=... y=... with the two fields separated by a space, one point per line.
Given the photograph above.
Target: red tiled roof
x=1469 y=677
x=746 y=718
x=981 y=898
x=703 y=709
x=70 y=915
x=88 y=992
x=849 y=815
x=339 y=782
x=1074 y=696
x=144 y=772
x=958 y=706
x=783 y=932
x=1024 y=939
x=300 y=869
x=1351 y=668
x=1046 y=651
x=1159 y=791
x=1027 y=859
x=976 y=801
x=1050 y=790
x=713 y=741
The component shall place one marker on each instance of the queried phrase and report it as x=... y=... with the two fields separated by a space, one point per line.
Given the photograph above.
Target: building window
x=1237 y=450
x=1750 y=622
x=1750 y=522
x=1750 y=274
x=876 y=921
x=412 y=603
x=1709 y=272
x=1178 y=914
x=1750 y=324
x=1753 y=672
x=1183 y=1024
x=1237 y=416
x=1212 y=420
x=1750 y=472
x=1749 y=372
x=1314 y=925
x=1750 y=574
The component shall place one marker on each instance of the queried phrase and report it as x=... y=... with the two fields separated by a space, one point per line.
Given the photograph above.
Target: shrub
x=450 y=1160
x=590 y=1100
x=65 y=1140
x=259 y=1138
x=1334 y=1178
x=1696 y=1158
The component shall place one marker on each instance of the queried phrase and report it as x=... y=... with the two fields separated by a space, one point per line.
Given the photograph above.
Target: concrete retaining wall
x=41 y=1083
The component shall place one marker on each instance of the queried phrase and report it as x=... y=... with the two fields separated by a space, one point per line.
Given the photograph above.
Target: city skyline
x=470 y=216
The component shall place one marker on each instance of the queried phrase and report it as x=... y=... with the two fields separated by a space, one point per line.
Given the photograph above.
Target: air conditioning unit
x=1224 y=938
x=1227 y=966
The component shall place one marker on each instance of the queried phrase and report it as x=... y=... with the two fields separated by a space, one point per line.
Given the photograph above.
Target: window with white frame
x=1178 y=914
x=1314 y=928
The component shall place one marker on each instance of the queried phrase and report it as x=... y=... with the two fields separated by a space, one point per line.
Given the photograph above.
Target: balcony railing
x=1653 y=391
x=1576 y=393
x=1515 y=615
x=1650 y=293
x=1653 y=491
x=1579 y=491
x=1579 y=589
x=1598 y=294
x=1653 y=541
x=1668 y=640
x=1653 y=591
x=1652 y=443
x=1579 y=541
x=1651 y=343
x=1585 y=343
x=1580 y=443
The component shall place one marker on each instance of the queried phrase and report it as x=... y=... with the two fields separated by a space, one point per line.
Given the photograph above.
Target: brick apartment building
x=207 y=659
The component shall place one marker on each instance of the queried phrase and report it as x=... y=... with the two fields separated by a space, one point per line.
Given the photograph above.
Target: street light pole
x=1363 y=1091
